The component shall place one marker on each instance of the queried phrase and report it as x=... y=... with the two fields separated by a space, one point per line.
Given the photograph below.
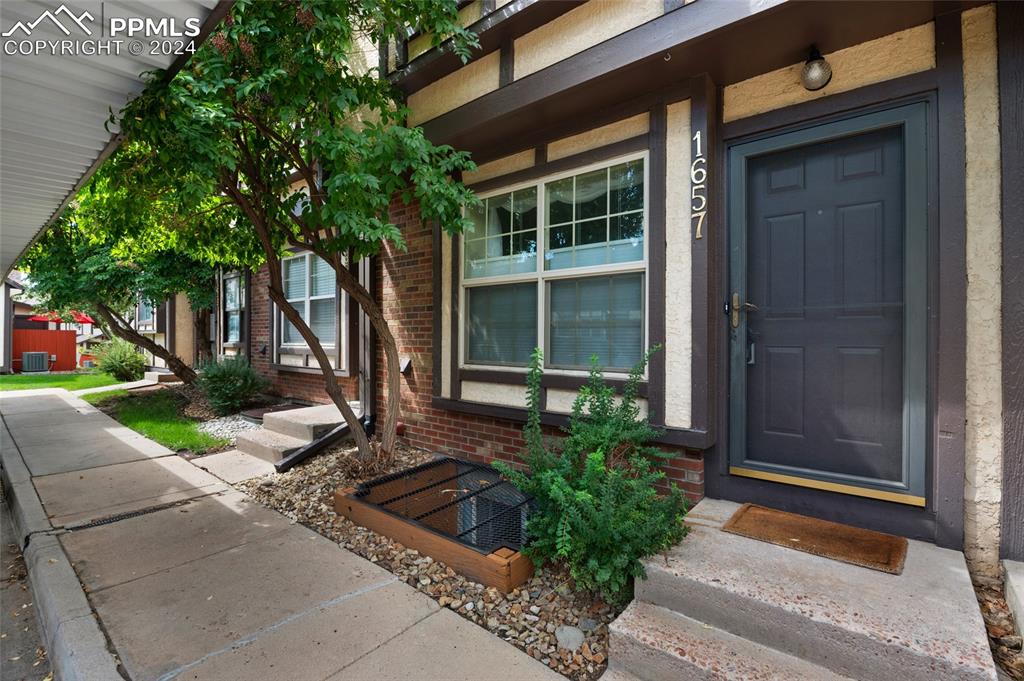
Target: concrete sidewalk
x=192 y=580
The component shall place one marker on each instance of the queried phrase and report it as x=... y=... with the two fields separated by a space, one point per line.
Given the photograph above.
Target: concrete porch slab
x=922 y=624
x=1013 y=575
x=168 y=538
x=308 y=423
x=446 y=647
x=321 y=641
x=216 y=601
x=78 y=497
x=234 y=466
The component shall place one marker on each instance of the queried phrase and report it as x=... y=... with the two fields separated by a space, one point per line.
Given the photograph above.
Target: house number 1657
x=698 y=187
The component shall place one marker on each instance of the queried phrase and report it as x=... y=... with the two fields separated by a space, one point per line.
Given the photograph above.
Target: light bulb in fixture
x=817 y=72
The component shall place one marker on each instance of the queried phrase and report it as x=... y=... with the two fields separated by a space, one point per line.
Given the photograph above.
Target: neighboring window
x=588 y=298
x=233 y=307
x=309 y=285
x=145 y=312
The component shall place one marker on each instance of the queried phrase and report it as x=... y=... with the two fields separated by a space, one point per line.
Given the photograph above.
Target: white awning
x=63 y=68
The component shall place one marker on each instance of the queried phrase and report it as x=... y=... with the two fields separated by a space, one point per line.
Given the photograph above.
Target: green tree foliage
x=230 y=384
x=598 y=508
x=278 y=133
x=75 y=267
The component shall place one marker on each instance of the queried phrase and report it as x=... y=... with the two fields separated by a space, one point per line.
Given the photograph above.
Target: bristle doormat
x=874 y=550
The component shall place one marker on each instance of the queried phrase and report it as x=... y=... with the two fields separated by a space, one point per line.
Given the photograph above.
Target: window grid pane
x=501 y=324
x=295 y=278
x=600 y=316
x=503 y=238
x=596 y=219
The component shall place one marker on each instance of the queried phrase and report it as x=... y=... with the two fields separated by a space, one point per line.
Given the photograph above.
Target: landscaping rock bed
x=227 y=426
x=564 y=629
x=1004 y=638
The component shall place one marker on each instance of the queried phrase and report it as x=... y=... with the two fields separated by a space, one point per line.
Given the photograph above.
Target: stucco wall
x=184 y=331
x=501 y=166
x=598 y=137
x=504 y=394
x=561 y=401
x=678 y=312
x=471 y=81
x=982 y=490
x=891 y=56
x=575 y=31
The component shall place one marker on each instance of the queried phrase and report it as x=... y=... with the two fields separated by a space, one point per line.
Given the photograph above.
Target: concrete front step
x=656 y=644
x=308 y=423
x=267 y=444
x=921 y=625
x=160 y=377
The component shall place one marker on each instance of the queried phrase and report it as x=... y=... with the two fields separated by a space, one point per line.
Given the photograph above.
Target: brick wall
x=307 y=387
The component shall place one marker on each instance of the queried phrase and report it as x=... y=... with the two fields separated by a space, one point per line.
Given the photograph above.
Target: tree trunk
x=350 y=284
x=125 y=331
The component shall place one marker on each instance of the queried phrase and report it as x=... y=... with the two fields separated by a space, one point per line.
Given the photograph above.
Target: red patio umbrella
x=78 y=317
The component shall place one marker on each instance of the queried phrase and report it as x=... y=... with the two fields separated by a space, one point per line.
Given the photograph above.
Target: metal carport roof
x=56 y=93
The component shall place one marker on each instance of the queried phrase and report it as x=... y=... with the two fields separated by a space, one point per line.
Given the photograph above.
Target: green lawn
x=156 y=416
x=76 y=381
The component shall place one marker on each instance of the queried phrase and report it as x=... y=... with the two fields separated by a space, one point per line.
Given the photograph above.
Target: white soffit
x=56 y=95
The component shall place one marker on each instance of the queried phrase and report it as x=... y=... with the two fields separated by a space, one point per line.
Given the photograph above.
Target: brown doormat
x=873 y=550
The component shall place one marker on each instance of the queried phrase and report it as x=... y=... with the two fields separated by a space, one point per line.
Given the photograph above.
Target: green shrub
x=121 y=359
x=230 y=384
x=597 y=506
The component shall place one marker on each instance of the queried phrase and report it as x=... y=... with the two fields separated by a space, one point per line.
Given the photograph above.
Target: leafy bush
x=120 y=359
x=597 y=505
x=230 y=384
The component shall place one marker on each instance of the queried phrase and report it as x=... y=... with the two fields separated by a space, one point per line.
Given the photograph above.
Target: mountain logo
x=52 y=16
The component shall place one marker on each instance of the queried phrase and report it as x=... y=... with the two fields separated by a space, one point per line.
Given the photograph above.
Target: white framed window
x=309 y=285
x=559 y=263
x=145 y=314
x=233 y=307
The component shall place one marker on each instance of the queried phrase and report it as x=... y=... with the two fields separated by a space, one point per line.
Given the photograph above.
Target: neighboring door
x=828 y=243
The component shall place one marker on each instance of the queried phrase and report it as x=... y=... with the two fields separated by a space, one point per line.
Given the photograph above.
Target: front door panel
x=820 y=353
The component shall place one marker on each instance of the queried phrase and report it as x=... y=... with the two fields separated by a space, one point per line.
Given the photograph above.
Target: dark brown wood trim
x=951 y=379
x=286 y=368
x=8 y=322
x=507 y=61
x=247 y=316
x=704 y=113
x=559 y=381
x=510 y=21
x=656 y=260
x=1010 y=36
x=541 y=169
x=456 y=392
x=171 y=327
x=437 y=311
x=574 y=125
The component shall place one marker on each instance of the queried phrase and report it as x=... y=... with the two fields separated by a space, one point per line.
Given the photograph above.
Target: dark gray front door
x=820 y=344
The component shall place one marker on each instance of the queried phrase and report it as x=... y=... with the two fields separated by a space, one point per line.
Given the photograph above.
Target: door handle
x=737 y=306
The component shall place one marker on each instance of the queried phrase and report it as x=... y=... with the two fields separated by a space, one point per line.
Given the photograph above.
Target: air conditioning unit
x=34 y=361
x=88 y=364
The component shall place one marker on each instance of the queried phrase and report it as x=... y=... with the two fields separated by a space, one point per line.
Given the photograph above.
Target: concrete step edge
x=657 y=644
x=267 y=445
x=845 y=651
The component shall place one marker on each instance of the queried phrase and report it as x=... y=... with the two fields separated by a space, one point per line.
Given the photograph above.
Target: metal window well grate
x=465 y=501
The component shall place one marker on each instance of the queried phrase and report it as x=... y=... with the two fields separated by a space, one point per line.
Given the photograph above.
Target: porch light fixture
x=816 y=72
